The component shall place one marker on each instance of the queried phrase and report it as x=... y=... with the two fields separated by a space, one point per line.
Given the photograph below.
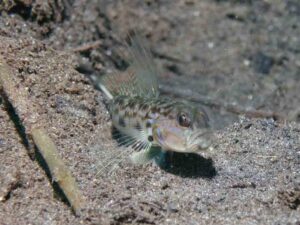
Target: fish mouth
x=199 y=140
x=185 y=142
x=170 y=140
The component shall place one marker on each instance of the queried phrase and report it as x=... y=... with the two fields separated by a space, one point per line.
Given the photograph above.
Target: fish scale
x=141 y=106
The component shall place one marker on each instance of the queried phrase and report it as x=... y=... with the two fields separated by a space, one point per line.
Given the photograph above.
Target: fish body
x=148 y=119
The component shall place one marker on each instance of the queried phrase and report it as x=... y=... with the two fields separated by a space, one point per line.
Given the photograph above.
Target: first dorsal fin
x=140 y=79
x=120 y=83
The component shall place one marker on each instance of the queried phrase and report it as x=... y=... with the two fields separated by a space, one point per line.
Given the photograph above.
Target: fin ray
x=146 y=155
x=144 y=66
x=140 y=79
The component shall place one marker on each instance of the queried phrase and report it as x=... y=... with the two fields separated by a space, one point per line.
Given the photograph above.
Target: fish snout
x=201 y=140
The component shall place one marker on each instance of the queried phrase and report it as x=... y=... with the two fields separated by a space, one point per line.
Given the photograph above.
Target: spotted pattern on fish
x=139 y=112
x=132 y=107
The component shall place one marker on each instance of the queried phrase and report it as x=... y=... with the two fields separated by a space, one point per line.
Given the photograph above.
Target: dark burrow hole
x=21 y=9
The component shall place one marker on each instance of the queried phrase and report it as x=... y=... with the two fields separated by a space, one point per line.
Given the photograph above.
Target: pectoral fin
x=145 y=156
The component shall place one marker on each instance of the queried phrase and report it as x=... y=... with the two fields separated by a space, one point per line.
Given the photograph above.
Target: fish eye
x=184 y=120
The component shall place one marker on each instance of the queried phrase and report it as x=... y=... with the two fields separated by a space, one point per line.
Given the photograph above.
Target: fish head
x=185 y=129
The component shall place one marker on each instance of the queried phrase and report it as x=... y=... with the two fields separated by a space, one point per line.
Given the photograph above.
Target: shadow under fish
x=189 y=165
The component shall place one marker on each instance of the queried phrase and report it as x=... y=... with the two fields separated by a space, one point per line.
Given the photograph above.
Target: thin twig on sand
x=13 y=93
x=87 y=47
